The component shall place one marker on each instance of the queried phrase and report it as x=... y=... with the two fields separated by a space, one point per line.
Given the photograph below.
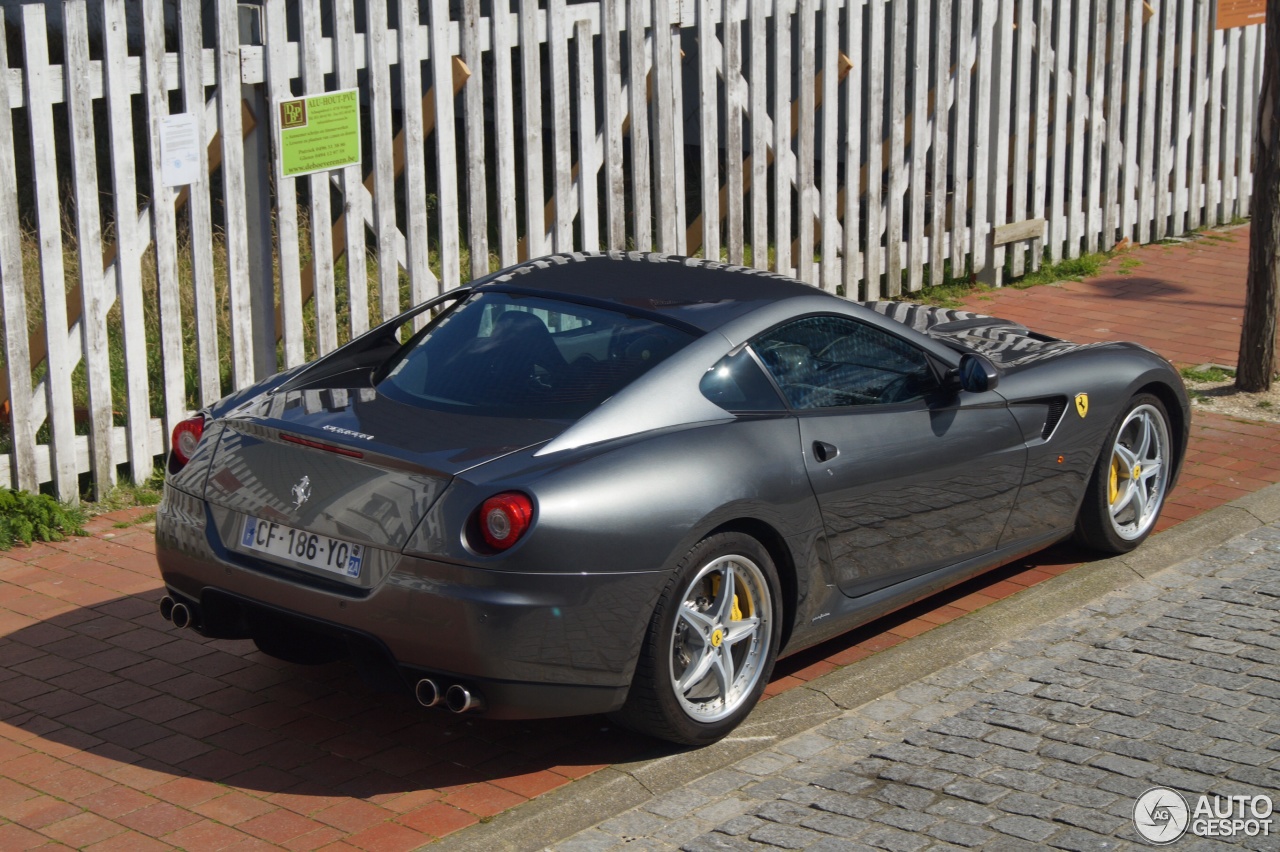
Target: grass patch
x=1127 y=265
x=1207 y=373
x=127 y=495
x=1068 y=269
x=25 y=518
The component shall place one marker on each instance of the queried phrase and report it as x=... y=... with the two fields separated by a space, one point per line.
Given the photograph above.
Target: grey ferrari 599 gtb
x=627 y=484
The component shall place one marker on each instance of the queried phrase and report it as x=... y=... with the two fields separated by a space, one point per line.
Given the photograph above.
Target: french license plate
x=312 y=549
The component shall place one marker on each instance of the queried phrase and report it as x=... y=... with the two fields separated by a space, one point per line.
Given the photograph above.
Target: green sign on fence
x=319 y=132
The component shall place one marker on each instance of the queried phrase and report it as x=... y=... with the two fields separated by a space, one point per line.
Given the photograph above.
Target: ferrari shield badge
x=1082 y=404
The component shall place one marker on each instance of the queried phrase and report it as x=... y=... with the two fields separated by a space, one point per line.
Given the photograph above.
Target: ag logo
x=301 y=492
x=1082 y=404
x=1161 y=815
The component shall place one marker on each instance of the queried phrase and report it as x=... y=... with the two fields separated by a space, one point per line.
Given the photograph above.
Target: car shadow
x=117 y=682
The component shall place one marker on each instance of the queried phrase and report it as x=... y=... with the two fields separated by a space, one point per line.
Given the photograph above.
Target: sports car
x=628 y=483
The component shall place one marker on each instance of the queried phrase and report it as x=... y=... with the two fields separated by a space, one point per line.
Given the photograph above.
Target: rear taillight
x=504 y=518
x=186 y=437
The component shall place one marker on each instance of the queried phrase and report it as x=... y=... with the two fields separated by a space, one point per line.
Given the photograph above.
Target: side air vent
x=1057 y=406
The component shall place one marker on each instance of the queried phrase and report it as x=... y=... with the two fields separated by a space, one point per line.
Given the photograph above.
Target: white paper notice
x=179 y=154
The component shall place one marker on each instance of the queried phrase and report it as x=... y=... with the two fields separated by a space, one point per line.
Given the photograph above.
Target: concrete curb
x=549 y=818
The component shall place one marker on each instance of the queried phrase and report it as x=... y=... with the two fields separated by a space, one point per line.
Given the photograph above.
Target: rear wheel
x=711 y=644
x=1130 y=479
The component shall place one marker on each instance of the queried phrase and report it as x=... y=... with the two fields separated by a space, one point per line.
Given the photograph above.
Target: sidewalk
x=118 y=732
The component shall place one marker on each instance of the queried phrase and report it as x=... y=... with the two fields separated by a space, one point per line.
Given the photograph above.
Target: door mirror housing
x=976 y=374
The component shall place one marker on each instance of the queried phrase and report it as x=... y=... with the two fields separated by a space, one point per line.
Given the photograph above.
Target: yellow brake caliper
x=1113 y=486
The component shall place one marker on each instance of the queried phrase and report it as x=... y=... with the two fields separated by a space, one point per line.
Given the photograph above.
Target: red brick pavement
x=118 y=732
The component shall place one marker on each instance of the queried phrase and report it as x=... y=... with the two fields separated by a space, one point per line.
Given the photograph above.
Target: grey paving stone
x=1025 y=828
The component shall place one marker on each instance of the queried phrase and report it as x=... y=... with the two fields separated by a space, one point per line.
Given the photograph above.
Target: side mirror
x=976 y=374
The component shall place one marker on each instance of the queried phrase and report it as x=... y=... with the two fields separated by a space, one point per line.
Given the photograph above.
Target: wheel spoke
x=1128 y=458
x=736 y=631
x=698 y=621
x=1126 y=497
x=723 y=607
x=697 y=670
x=1144 y=443
x=723 y=668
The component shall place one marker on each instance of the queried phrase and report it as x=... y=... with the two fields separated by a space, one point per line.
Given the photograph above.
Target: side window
x=825 y=361
x=736 y=383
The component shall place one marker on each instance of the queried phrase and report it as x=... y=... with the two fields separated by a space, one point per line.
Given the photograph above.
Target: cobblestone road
x=1046 y=742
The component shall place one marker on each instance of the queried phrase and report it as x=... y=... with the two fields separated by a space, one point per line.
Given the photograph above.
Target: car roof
x=680 y=290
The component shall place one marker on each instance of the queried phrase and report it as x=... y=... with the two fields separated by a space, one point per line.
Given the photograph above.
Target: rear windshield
x=524 y=356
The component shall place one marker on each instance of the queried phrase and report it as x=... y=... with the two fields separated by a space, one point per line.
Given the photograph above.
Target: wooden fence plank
x=561 y=144
x=230 y=124
x=873 y=259
x=22 y=432
x=1043 y=64
x=352 y=178
x=733 y=132
x=446 y=153
x=615 y=111
x=1062 y=112
x=422 y=285
x=805 y=150
x=1199 y=94
x=476 y=179
x=1181 y=117
x=164 y=221
x=49 y=234
x=758 y=93
x=1078 y=208
x=980 y=233
x=1132 y=135
x=962 y=107
x=852 y=153
x=378 y=72
x=829 y=199
x=128 y=260
x=1020 y=125
x=637 y=75
x=664 y=142
x=1002 y=53
x=1146 y=159
x=898 y=61
x=1096 y=130
x=939 y=154
x=709 y=95
x=84 y=163
x=320 y=223
x=200 y=220
x=286 y=213
x=1247 y=107
x=1230 y=126
x=504 y=139
x=588 y=156
x=1113 y=32
x=916 y=179
x=1164 y=129
x=531 y=86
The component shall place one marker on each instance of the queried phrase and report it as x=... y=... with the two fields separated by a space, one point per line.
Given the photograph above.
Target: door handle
x=822 y=451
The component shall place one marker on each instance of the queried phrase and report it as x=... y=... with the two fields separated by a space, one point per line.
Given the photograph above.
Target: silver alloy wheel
x=1139 y=472
x=721 y=638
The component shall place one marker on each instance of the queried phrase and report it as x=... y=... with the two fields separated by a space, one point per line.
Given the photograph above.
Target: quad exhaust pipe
x=176 y=612
x=459 y=699
x=456 y=697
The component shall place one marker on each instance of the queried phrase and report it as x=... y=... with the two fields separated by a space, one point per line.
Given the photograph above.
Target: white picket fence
x=858 y=144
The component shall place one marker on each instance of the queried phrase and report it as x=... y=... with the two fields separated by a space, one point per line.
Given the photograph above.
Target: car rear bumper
x=533 y=645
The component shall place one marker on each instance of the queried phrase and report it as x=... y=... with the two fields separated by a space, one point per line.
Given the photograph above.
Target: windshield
x=524 y=356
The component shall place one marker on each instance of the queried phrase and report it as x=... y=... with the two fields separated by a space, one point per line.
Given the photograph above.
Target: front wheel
x=1130 y=479
x=710 y=646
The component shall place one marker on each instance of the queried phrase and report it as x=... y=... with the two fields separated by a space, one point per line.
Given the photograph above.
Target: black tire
x=692 y=625
x=1120 y=510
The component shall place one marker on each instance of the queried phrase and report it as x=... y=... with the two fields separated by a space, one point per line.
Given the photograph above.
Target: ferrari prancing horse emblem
x=301 y=492
x=1082 y=404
